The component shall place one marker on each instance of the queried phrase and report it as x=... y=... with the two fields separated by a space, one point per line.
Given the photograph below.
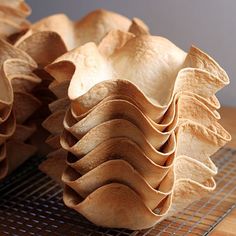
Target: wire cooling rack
x=31 y=204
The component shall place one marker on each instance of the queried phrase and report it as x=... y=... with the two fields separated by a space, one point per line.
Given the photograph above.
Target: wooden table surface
x=228 y=226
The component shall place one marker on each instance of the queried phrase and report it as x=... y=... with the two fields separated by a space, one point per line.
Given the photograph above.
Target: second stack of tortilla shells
x=17 y=104
x=140 y=130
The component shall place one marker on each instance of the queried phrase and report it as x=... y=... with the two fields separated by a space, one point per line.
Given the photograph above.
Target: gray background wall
x=208 y=24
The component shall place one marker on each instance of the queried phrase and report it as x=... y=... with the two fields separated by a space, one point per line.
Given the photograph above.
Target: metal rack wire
x=30 y=204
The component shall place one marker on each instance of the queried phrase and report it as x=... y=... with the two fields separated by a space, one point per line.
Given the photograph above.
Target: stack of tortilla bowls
x=17 y=104
x=140 y=130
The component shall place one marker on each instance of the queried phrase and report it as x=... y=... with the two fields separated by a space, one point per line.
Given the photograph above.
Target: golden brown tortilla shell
x=187 y=191
x=23 y=132
x=7 y=128
x=113 y=41
x=126 y=210
x=118 y=148
x=58 y=23
x=17 y=153
x=196 y=58
x=7 y=51
x=110 y=129
x=24 y=106
x=59 y=89
x=54 y=165
x=189 y=168
x=19 y=5
x=89 y=27
x=82 y=147
x=204 y=116
x=54 y=141
x=12 y=19
x=60 y=104
x=21 y=75
x=125 y=149
x=39 y=47
x=121 y=87
x=54 y=123
x=12 y=15
x=117 y=67
x=116 y=104
x=92 y=27
x=9 y=28
x=116 y=109
x=199 y=142
x=190 y=108
x=138 y=27
x=122 y=172
x=81 y=70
